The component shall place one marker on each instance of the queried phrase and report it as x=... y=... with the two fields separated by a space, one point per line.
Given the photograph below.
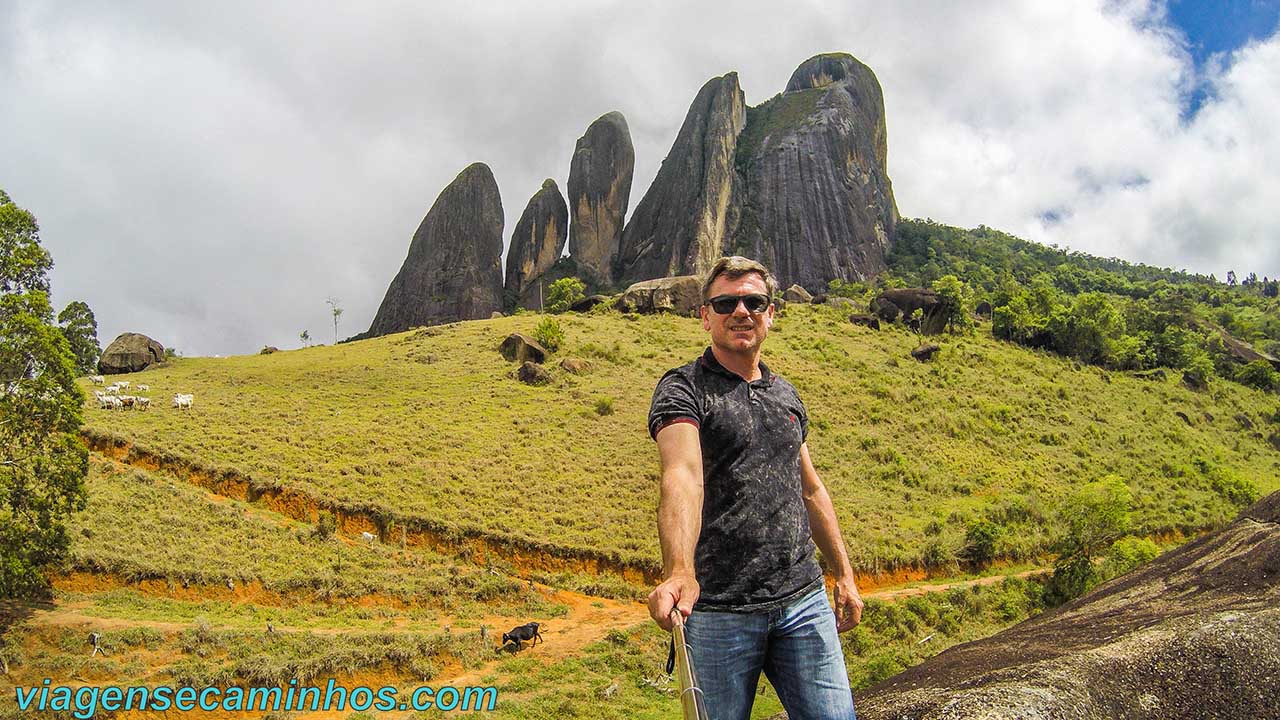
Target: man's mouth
x=742 y=328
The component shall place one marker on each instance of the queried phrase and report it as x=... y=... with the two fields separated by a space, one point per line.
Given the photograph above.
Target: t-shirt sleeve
x=803 y=414
x=673 y=401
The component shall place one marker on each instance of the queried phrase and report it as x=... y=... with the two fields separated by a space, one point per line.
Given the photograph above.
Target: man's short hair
x=734 y=267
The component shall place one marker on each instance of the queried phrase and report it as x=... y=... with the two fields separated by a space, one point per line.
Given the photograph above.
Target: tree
x=81 y=329
x=43 y=464
x=305 y=337
x=1092 y=518
x=564 y=293
x=337 y=313
x=957 y=302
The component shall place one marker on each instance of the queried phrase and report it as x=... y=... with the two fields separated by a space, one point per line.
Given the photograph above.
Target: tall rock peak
x=453 y=270
x=536 y=243
x=599 y=190
x=680 y=225
x=822 y=70
x=816 y=201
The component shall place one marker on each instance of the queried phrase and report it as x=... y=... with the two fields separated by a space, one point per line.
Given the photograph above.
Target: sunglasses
x=726 y=304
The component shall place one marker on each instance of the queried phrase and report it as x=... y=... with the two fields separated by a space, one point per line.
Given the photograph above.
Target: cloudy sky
x=210 y=173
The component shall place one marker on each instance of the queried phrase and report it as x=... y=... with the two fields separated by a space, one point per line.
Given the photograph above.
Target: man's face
x=739 y=330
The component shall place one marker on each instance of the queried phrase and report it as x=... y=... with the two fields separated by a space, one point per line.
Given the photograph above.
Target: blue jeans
x=797 y=647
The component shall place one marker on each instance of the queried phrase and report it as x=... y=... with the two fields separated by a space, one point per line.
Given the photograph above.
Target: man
x=740 y=509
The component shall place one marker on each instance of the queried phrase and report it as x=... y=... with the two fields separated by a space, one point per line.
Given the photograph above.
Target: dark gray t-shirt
x=756 y=551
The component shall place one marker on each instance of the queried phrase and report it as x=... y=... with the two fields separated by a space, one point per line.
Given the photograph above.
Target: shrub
x=980 y=542
x=326 y=525
x=563 y=293
x=604 y=406
x=549 y=334
x=1126 y=554
x=1259 y=374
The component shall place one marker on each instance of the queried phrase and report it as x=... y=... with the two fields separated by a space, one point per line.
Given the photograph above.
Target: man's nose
x=740 y=310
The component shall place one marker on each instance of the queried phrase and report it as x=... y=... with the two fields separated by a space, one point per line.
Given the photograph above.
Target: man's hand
x=678 y=591
x=848 y=604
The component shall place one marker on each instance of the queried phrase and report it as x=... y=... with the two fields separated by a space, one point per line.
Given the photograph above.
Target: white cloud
x=246 y=161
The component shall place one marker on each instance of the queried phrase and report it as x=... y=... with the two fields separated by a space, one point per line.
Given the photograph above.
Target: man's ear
x=706 y=321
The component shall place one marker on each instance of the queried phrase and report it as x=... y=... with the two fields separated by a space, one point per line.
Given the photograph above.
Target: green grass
x=631 y=661
x=143 y=526
x=911 y=452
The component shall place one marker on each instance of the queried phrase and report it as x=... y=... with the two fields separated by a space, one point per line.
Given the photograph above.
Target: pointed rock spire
x=453 y=270
x=536 y=243
x=680 y=225
x=599 y=190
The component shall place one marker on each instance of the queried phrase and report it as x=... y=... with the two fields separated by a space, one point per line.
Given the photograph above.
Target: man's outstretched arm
x=679 y=521
x=826 y=534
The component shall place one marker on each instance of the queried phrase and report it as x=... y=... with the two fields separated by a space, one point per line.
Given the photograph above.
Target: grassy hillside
x=429 y=427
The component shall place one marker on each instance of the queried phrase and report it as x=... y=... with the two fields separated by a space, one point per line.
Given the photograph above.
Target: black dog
x=522 y=634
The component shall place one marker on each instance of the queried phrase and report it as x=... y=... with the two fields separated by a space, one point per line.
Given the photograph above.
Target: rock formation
x=816 y=201
x=1193 y=634
x=453 y=270
x=681 y=295
x=681 y=222
x=798 y=182
x=536 y=244
x=130 y=352
x=599 y=190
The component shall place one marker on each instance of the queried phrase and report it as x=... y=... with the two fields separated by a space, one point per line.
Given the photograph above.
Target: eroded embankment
x=481 y=548
x=525 y=556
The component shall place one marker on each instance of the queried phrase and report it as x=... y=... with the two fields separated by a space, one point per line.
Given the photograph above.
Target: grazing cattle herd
x=110 y=397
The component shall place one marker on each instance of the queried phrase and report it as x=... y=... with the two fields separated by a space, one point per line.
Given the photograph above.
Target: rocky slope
x=599 y=190
x=536 y=244
x=453 y=270
x=1193 y=634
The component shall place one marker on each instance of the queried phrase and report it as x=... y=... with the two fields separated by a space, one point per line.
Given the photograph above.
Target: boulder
x=885 y=309
x=531 y=373
x=1195 y=633
x=925 y=353
x=797 y=294
x=983 y=310
x=679 y=226
x=1242 y=352
x=129 y=352
x=536 y=243
x=1157 y=374
x=840 y=303
x=818 y=299
x=1195 y=381
x=870 y=321
x=521 y=348
x=906 y=301
x=814 y=200
x=599 y=190
x=575 y=366
x=454 y=267
x=495 y=315
x=586 y=303
x=680 y=295
x=268 y=350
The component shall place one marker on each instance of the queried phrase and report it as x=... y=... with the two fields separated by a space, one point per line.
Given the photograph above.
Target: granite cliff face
x=536 y=244
x=599 y=190
x=816 y=201
x=1193 y=634
x=680 y=225
x=453 y=270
